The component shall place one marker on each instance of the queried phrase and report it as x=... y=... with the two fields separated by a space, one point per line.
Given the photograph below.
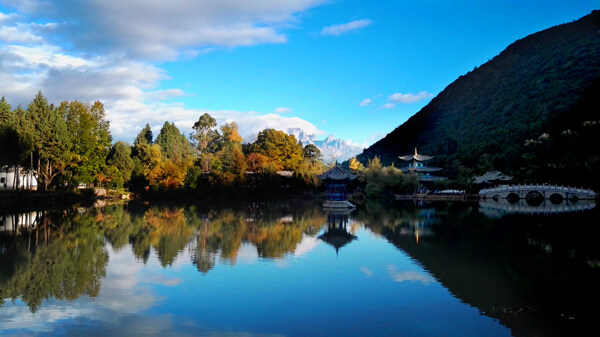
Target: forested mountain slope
x=533 y=112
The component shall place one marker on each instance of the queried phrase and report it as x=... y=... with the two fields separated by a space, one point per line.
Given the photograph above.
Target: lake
x=291 y=269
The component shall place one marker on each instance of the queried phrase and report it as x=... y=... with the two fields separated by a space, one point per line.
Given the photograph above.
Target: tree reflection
x=273 y=229
x=63 y=257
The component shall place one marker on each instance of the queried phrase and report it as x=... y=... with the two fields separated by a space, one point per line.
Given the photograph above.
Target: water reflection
x=62 y=254
x=336 y=233
x=498 y=207
x=50 y=257
x=535 y=275
x=14 y=223
x=538 y=276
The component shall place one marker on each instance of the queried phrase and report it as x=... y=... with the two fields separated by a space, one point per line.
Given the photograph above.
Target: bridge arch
x=556 y=198
x=537 y=192
x=534 y=198
x=513 y=197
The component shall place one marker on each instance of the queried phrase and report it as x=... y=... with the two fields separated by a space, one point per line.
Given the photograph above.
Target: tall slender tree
x=144 y=137
x=89 y=137
x=173 y=143
x=6 y=114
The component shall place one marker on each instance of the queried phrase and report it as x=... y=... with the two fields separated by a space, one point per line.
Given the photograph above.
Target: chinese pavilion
x=336 y=180
x=417 y=166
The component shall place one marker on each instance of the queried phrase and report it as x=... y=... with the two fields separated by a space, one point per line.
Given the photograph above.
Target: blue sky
x=354 y=69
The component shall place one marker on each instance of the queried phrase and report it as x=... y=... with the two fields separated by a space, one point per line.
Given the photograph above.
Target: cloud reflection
x=366 y=271
x=126 y=290
x=409 y=275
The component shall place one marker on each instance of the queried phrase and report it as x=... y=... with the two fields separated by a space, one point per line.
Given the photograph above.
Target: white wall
x=26 y=181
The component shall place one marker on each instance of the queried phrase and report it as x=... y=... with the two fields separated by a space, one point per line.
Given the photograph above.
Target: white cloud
x=159 y=30
x=388 y=106
x=41 y=56
x=409 y=98
x=124 y=86
x=345 y=27
x=160 y=95
x=7 y=18
x=17 y=35
x=365 y=102
x=251 y=122
x=110 y=44
x=282 y=110
x=352 y=143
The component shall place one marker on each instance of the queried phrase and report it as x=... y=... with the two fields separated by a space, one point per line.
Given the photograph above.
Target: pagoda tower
x=419 y=167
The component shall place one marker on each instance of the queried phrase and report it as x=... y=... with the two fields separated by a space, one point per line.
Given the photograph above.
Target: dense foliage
x=531 y=112
x=70 y=146
x=380 y=183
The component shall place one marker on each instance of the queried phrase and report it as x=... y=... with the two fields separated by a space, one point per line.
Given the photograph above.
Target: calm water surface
x=291 y=269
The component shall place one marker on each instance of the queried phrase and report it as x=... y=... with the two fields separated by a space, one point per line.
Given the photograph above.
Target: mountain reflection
x=537 y=274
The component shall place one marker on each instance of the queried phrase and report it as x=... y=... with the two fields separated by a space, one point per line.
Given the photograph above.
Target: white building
x=25 y=179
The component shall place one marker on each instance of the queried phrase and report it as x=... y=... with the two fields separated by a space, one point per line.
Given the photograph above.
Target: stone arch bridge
x=539 y=192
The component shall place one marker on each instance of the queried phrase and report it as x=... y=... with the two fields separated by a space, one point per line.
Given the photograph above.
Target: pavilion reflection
x=336 y=233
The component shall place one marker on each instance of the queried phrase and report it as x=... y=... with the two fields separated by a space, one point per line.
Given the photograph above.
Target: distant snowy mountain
x=332 y=149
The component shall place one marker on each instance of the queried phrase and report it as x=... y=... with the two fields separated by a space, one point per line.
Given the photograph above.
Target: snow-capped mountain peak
x=332 y=149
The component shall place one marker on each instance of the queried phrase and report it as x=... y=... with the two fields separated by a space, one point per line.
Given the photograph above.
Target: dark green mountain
x=533 y=112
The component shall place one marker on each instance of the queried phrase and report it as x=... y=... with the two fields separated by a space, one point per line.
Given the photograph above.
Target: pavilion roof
x=337 y=237
x=492 y=176
x=337 y=173
x=415 y=156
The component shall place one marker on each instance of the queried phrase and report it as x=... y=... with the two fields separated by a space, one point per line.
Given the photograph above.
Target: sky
x=353 y=69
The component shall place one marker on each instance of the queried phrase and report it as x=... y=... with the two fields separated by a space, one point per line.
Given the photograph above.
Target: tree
x=230 y=133
x=312 y=153
x=120 y=158
x=23 y=124
x=174 y=145
x=355 y=165
x=145 y=158
x=381 y=183
x=6 y=116
x=231 y=164
x=283 y=149
x=14 y=146
x=51 y=139
x=204 y=133
x=257 y=162
x=89 y=137
x=167 y=175
x=144 y=137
